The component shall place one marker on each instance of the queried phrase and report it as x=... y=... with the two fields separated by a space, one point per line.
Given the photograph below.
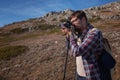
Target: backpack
x=105 y=59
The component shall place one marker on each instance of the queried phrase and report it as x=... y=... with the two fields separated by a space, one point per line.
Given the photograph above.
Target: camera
x=66 y=24
x=70 y=26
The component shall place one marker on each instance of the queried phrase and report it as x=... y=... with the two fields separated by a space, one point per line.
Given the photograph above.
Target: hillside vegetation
x=35 y=49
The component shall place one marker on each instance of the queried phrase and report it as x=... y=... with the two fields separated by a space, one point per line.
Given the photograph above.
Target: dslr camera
x=69 y=25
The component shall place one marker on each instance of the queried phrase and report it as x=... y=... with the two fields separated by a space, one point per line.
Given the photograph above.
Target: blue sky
x=19 y=10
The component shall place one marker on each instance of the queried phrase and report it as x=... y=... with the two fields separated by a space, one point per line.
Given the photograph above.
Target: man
x=87 y=51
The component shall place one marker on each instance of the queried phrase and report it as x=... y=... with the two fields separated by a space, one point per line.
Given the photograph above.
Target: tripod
x=67 y=46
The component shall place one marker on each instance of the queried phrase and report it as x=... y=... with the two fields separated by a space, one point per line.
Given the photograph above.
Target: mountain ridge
x=107 y=11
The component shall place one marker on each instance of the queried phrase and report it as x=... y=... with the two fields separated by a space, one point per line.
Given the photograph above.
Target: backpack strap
x=101 y=43
x=106 y=45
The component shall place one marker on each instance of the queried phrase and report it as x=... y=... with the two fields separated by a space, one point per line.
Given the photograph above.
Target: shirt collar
x=86 y=30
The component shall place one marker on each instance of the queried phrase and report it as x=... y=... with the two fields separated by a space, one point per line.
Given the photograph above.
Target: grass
x=109 y=24
x=19 y=34
x=8 y=52
x=63 y=20
x=19 y=30
x=45 y=26
x=5 y=34
x=55 y=30
x=27 y=36
x=36 y=34
x=114 y=24
x=105 y=11
x=6 y=40
x=95 y=19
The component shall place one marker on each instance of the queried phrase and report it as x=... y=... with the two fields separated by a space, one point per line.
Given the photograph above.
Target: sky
x=19 y=10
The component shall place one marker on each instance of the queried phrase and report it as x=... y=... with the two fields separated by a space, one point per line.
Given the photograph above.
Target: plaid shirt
x=90 y=46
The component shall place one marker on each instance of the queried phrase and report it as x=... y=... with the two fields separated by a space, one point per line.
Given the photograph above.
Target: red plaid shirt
x=90 y=46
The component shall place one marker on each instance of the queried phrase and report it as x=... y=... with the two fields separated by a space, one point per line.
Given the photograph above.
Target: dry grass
x=8 y=52
x=47 y=59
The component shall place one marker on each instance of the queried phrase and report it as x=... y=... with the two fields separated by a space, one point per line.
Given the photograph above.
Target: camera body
x=69 y=25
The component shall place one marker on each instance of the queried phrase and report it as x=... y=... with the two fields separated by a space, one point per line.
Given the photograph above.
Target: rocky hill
x=109 y=11
x=45 y=56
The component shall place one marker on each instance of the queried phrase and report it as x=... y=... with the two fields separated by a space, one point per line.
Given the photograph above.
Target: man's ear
x=83 y=20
